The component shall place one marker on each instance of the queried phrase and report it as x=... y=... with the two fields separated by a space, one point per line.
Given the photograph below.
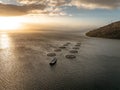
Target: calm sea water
x=24 y=64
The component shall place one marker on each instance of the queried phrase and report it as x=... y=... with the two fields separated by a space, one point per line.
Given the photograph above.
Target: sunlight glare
x=4 y=41
x=10 y=23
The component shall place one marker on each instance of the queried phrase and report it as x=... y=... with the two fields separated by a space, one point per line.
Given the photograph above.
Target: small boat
x=53 y=61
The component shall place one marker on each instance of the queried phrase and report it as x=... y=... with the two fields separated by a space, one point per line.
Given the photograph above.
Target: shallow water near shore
x=24 y=64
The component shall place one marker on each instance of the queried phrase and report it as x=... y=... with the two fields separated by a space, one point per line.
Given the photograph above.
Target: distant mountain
x=110 y=31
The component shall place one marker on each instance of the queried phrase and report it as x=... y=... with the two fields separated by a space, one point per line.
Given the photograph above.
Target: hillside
x=109 y=31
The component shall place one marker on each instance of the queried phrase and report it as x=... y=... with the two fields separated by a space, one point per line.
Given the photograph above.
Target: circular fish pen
x=62 y=47
x=73 y=51
x=51 y=54
x=70 y=56
x=77 y=45
x=57 y=50
x=75 y=48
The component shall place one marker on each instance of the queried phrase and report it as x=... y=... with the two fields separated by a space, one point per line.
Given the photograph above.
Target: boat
x=53 y=62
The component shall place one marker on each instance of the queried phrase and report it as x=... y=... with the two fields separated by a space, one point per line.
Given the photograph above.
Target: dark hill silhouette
x=109 y=31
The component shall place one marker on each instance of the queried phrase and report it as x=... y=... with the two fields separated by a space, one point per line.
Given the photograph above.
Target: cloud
x=90 y=4
x=23 y=7
x=94 y=4
x=54 y=7
x=46 y=2
x=30 y=1
x=14 y=10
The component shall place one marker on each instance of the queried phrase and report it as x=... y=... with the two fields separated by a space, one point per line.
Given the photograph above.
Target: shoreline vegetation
x=111 y=31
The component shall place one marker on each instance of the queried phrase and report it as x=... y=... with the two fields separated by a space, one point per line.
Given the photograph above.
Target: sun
x=10 y=23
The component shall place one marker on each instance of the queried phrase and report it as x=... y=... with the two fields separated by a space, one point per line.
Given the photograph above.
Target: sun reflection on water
x=4 y=41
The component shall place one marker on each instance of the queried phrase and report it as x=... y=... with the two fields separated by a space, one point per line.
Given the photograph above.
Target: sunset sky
x=66 y=13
